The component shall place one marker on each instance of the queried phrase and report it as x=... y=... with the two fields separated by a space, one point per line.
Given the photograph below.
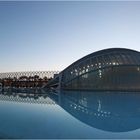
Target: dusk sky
x=52 y=35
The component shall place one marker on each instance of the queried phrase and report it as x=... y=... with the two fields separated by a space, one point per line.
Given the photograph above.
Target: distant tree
x=45 y=78
x=23 y=78
x=36 y=77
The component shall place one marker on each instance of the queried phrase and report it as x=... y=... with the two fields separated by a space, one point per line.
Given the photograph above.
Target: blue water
x=69 y=114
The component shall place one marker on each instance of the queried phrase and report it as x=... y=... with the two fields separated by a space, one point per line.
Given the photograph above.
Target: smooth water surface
x=69 y=114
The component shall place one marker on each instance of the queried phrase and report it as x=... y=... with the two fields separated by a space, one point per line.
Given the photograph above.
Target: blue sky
x=52 y=35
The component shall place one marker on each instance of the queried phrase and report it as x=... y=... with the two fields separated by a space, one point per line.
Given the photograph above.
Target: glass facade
x=110 y=69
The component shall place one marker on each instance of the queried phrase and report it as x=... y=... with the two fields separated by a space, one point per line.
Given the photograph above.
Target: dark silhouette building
x=109 y=69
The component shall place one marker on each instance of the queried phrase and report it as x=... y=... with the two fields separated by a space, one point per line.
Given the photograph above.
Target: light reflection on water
x=69 y=114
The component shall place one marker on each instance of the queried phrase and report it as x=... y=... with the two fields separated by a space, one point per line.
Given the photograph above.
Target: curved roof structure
x=109 y=69
x=120 y=55
x=92 y=71
x=108 y=57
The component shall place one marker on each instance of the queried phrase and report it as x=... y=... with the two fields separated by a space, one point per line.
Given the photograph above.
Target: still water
x=69 y=114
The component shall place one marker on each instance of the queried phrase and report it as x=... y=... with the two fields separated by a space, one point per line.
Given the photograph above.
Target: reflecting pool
x=69 y=114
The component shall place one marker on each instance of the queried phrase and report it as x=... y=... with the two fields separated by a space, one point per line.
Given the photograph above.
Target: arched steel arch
x=109 y=69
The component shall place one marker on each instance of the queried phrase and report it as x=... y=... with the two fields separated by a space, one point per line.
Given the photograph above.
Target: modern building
x=109 y=69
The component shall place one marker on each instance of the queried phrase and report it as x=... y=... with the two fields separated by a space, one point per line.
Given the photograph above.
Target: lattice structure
x=41 y=74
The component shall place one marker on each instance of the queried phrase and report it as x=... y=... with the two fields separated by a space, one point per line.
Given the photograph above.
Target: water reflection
x=108 y=111
x=25 y=96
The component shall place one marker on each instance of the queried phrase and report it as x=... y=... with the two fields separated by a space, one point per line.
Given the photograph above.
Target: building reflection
x=108 y=111
x=113 y=111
